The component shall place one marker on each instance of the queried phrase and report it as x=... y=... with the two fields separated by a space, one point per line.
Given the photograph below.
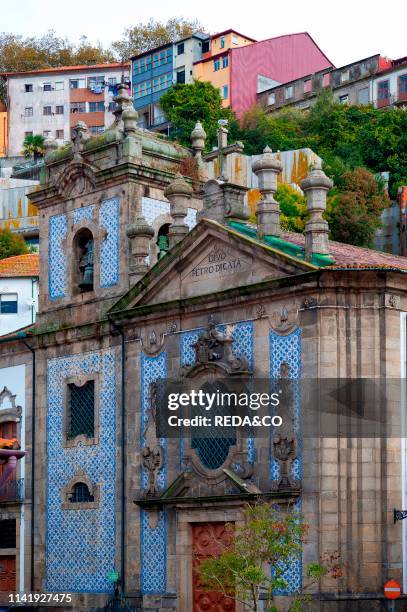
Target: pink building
x=265 y=64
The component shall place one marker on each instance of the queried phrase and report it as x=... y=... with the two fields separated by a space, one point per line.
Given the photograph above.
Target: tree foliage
x=184 y=105
x=11 y=244
x=253 y=562
x=145 y=36
x=293 y=208
x=33 y=145
x=354 y=208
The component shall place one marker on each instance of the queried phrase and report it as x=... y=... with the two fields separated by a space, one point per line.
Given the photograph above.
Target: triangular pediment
x=211 y=258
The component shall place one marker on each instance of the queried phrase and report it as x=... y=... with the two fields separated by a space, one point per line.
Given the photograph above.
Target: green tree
x=184 y=105
x=33 y=146
x=145 y=36
x=354 y=208
x=11 y=244
x=293 y=207
x=253 y=562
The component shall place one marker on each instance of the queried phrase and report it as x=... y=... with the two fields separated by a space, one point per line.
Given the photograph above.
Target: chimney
x=315 y=186
x=267 y=168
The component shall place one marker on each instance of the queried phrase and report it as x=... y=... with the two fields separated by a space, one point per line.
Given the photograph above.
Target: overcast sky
x=346 y=30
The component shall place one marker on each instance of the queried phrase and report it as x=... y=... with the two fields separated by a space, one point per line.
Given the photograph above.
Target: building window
x=271 y=99
x=27 y=134
x=181 y=76
x=111 y=106
x=206 y=45
x=59 y=85
x=96 y=83
x=403 y=86
x=28 y=87
x=47 y=87
x=216 y=64
x=46 y=133
x=289 y=92
x=96 y=107
x=81 y=410
x=235 y=40
x=112 y=81
x=28 y=111
x=363 y=96
x=59 y=134
x=59 y=110
x=225 y=92
x=344 y=99
x=8 y=303
x=77 y=83
x=345 y=75
x=307 y=86
x=225 y=61
x=47 y=110
x=97 y=129
x=222 y=42
x=180 y=49
x=78 y=107
x=8 y=533
x=383 y=90
x=80 y=494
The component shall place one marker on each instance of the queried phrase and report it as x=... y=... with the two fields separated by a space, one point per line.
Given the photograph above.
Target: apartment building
x=154 y=72
x=374 y=80
x=52 y=100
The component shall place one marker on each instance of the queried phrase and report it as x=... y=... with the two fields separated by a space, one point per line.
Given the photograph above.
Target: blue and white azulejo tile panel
x=153 y=539
x=81 y=544
x=151 y=209
x=83 y=214
x=109 y=247
x=57 y=258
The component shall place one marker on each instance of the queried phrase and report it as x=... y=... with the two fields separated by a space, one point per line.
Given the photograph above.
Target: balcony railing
x=12 y=490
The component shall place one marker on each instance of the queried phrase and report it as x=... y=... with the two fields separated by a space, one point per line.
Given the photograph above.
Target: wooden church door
x=7 y=573
x=207 y=540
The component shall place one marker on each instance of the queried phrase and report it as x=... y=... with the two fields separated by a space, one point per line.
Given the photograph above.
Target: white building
x=51 y=101
x=18 y=292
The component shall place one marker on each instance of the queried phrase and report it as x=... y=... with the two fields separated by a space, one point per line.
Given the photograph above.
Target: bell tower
x=92 y=205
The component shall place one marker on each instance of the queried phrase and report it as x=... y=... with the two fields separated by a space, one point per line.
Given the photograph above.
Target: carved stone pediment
x=77 y=178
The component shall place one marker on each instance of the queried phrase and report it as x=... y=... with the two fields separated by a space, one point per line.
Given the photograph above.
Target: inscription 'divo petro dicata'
x=219 y=263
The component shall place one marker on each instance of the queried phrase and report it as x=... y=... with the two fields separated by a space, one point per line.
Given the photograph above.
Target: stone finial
x=122 y=99
x=267 y=168
x=140 y=234
x=198 y=136
x=129 y=118
x=179 y=194
x=316 y=231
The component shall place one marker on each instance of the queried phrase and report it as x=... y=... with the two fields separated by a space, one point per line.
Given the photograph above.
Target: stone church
x=144 y=262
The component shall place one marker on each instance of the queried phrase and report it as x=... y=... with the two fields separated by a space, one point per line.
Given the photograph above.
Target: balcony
x=12 y=490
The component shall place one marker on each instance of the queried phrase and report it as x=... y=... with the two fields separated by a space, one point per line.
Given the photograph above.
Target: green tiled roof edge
x=283 y=245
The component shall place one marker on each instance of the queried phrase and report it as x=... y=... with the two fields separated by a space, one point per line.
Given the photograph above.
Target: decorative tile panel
x=287 y=349
x=83 y=214
x=153 y=540
x=109 y=247
x=152 y=209
x=57 y=259
x=242 y=334
x=81 y=544
x=293 y=573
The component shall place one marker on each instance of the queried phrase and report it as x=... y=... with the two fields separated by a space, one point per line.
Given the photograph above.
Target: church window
x=83 y=253
x=80 y=494
x=81 y=410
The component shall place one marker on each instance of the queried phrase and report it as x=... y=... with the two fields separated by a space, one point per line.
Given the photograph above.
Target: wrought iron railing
x=12 y=490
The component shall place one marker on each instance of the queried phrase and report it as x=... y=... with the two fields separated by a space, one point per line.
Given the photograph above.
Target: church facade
x=115 y=503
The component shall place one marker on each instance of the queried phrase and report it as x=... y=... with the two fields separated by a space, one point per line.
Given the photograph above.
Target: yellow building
x=3 y=133
x=215 y=63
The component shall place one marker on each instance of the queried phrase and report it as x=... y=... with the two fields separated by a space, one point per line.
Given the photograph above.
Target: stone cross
x=222 y=144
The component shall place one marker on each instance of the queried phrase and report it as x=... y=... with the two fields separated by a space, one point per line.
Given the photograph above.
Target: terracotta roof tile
x=20 y=265
x=349 y=256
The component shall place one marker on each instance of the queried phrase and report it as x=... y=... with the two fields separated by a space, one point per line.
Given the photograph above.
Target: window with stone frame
x=80 y=494
x=8 y=533
x=81 y=410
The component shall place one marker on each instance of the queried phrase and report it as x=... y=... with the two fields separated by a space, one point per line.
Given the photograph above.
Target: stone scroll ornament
x=285 y=441
x=152 y=455
x=215 y=347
